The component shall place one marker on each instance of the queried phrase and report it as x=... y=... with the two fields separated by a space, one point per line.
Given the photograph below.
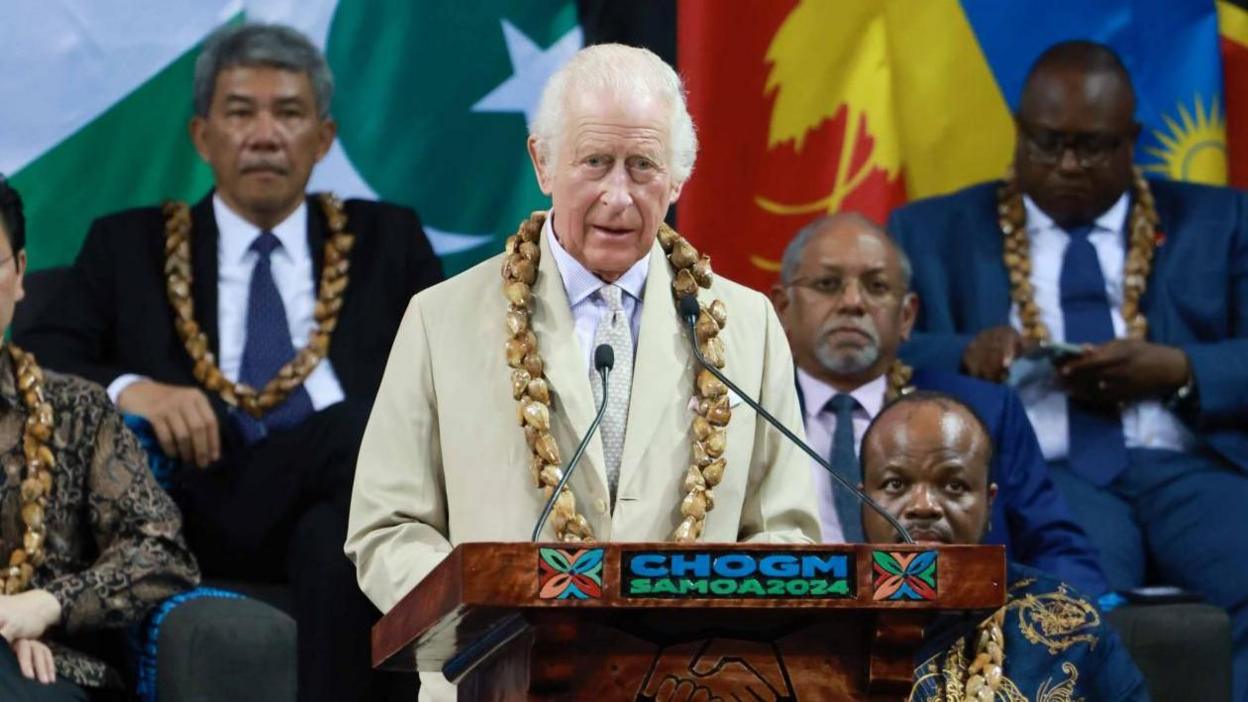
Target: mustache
x=921 y=530
x=866 y=328
x=264 y=165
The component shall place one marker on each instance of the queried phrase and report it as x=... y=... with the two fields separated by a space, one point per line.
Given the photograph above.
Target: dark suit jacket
x=1029 y=516
x=1196 y=297
x=111 y=315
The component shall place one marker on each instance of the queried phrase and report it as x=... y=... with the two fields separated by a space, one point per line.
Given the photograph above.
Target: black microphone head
x=689 y=309
x=604 y=357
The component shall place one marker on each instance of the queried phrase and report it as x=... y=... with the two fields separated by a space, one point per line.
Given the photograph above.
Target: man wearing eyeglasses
x=845 y=303
x=1119 y=308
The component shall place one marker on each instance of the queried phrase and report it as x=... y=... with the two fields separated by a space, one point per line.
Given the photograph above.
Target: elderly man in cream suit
x=444 y=459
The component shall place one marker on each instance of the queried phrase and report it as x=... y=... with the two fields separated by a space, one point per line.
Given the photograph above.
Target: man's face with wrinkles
x=609 y=179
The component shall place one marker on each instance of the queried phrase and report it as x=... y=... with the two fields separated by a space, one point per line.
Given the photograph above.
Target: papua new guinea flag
x=808 y=107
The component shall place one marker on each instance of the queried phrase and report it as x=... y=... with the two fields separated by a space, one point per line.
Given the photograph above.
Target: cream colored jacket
x=444 y=460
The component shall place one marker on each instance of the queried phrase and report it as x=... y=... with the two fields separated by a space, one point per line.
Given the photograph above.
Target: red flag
x=1233 y=31
x=751 y=191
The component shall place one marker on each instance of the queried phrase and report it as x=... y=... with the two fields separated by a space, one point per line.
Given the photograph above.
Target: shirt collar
x=870 y=396
x=1111 y=220
x=9 y=396
x=237 y=234
x=579 y=282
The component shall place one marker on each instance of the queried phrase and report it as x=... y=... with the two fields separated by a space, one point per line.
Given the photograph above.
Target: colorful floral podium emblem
x=569 y=575
x=904 y=576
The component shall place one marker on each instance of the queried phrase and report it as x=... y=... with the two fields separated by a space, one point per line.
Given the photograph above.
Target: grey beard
x=847 y=362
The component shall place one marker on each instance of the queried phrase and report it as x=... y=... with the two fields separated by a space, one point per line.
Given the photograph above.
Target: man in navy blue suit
x=846 y=306
x=1144 y=416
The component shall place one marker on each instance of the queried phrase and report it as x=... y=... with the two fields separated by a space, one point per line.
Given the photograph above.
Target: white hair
x=627 y=72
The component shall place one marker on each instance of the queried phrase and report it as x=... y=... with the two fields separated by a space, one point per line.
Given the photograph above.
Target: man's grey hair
x=626 y=72
x=792 y=259
x=269 y=45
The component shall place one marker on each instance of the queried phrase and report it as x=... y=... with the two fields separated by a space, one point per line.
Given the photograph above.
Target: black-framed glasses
x=833 y=285
x=1047 y=146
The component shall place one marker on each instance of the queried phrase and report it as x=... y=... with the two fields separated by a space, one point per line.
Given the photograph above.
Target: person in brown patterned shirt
x=112 y=540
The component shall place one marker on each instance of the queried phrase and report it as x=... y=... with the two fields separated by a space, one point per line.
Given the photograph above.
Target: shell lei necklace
x=532 y=392
x=1141 y=243
x=898 y=381
x=36 y=486
x=328 y=304
x=983 y=676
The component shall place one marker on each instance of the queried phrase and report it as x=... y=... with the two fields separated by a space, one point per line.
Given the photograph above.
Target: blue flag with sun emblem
x=1170 y=49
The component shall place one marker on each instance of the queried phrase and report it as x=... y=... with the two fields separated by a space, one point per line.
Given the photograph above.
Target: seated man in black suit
x=251 y=331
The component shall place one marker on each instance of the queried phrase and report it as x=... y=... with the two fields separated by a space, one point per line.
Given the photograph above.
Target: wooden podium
x=637 y=621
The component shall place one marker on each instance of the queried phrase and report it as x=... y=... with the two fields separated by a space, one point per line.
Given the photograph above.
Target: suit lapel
x=565 y=367
x=663 y=359
x=316 y=240
x=992 y=283
x=204 y=236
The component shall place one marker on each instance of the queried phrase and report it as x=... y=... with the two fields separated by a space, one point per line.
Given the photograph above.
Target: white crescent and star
x=531 y=67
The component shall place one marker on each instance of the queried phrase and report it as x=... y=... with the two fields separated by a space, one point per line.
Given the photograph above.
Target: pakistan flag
x=432 y=101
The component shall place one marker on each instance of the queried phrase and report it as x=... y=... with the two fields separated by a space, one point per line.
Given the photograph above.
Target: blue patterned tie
x=1097 y=448
x=268 y=347
x=845 y=463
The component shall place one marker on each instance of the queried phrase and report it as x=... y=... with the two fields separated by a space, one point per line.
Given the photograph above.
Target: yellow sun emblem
x=1194 y=150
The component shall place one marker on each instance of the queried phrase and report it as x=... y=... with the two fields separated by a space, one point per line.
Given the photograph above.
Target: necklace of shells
x=532 y=392
x=36 y=486
x=328 y=304
x=898 y=381
x=1142 y=241
x=987 y=669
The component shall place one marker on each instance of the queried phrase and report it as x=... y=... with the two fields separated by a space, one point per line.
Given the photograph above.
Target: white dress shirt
x=581 y=284
x=1145 y=424
x=291 y=264
x=820 y=430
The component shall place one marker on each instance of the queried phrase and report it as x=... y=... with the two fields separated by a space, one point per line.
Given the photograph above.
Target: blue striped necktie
x=268 y=347
x=1097 y=447
x=845 y=463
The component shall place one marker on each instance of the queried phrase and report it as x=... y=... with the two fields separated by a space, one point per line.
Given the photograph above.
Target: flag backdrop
x=808 y=107
x=433 y=99
x=1233 y=31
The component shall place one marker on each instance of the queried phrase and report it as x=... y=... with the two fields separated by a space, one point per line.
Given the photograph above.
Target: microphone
x=604 y=360
x=689 y=310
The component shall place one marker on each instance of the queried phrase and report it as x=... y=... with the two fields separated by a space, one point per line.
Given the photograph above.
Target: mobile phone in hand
x=1059 y=351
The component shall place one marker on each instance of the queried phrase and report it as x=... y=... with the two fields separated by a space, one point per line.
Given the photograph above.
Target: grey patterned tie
x=614 y=329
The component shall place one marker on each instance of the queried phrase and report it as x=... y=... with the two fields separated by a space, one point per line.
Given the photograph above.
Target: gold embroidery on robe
x=1021 y=584
x=928 y=670
x=953 y=675
x=1056 y=620
x=1010 y=692
x=1063 y=691
x=955 y=672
